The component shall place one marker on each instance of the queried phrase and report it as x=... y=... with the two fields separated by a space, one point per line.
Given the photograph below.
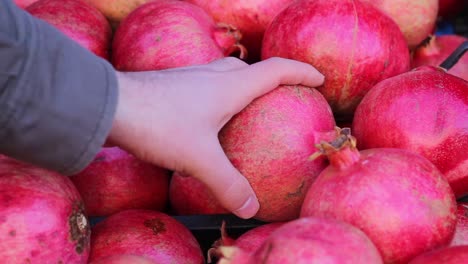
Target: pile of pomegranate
x=371 y=167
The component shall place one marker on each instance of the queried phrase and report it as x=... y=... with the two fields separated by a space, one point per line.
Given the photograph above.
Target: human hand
x=172 y=118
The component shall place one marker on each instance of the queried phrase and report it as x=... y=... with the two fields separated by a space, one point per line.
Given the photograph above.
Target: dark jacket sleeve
x=57 y=99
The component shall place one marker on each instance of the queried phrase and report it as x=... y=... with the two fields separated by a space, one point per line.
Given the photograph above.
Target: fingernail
x=248 y=209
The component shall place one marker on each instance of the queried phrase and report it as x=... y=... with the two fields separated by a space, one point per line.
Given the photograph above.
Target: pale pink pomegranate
x=424 y=111
x=269 y=143
x=78 y=20
x=190 y=196
x=42 y=217
x=416 y=19
x=249 y=241
x=352 y=43
x=397 y=197
x=309 y=240
x=116 y=180
x=168 y=34
x=150 y=234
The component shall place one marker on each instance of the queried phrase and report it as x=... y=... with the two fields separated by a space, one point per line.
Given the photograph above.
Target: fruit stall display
x=370 y=167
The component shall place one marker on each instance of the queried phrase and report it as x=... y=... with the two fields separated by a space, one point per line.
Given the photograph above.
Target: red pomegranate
x=124 y=259
x=24 y=3
x=353 y=44
x=250 y=17
x=269 y=142
x=416 y=19
x=425 y=111
x=310 y=240
x=461 y=231
x=437 y=50
x=116 y=180
x=451 y=255
x=397 y=197
x=42 y=218
x=168 y=34
x=249 y=242
x=189 y=196
x=78 y=20
x=254 y=238
x=150 y=234
x=117 y=10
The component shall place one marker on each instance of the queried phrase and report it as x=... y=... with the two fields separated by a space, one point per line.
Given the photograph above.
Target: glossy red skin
x=24 y=3
x=352 y=56
x=165 y=34
x=79 y=21
x=116 y=180
x=452 y=255
x=398 y=198
x=39 y=216
x=439 y=49
x=426 y=111
x=450 y=8
x=270 y=141
x=189 y=196
x=416 y=18
x=316 y=240
x=461 y=231
x=145 y=233
x=250 y=17
x=124 y=259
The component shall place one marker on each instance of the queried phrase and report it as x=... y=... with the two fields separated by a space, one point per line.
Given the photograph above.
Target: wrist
x=116 y=132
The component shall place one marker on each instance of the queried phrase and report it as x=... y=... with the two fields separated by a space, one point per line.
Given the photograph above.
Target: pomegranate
x=168 y=34
x=310 y=240
x=397 y=197
x=250 y=241
x=425 y=111
x=150 y=234
x=42 y=218
x=124 y=259
x=78 y=20
x=250 y=17
x=116 y=180
x=117 y=10
x=353 y=44
x=416 y=19
x=437 y=50
x=24 y=3
x=254 y=238
x=189 y=196
x=461 y=231
x=269 y=142
x=451 y=255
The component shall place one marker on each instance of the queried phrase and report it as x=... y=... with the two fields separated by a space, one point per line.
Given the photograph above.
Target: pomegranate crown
x=343 y=139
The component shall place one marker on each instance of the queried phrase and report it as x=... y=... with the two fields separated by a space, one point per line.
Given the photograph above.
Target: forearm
x=57 y=100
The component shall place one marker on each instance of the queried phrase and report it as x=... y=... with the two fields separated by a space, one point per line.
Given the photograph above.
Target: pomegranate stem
x=448 y=63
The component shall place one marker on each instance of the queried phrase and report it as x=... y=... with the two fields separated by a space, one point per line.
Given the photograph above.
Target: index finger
x=264 y=76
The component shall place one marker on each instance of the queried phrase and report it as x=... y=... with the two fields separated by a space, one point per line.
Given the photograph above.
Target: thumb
x=230 y=187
